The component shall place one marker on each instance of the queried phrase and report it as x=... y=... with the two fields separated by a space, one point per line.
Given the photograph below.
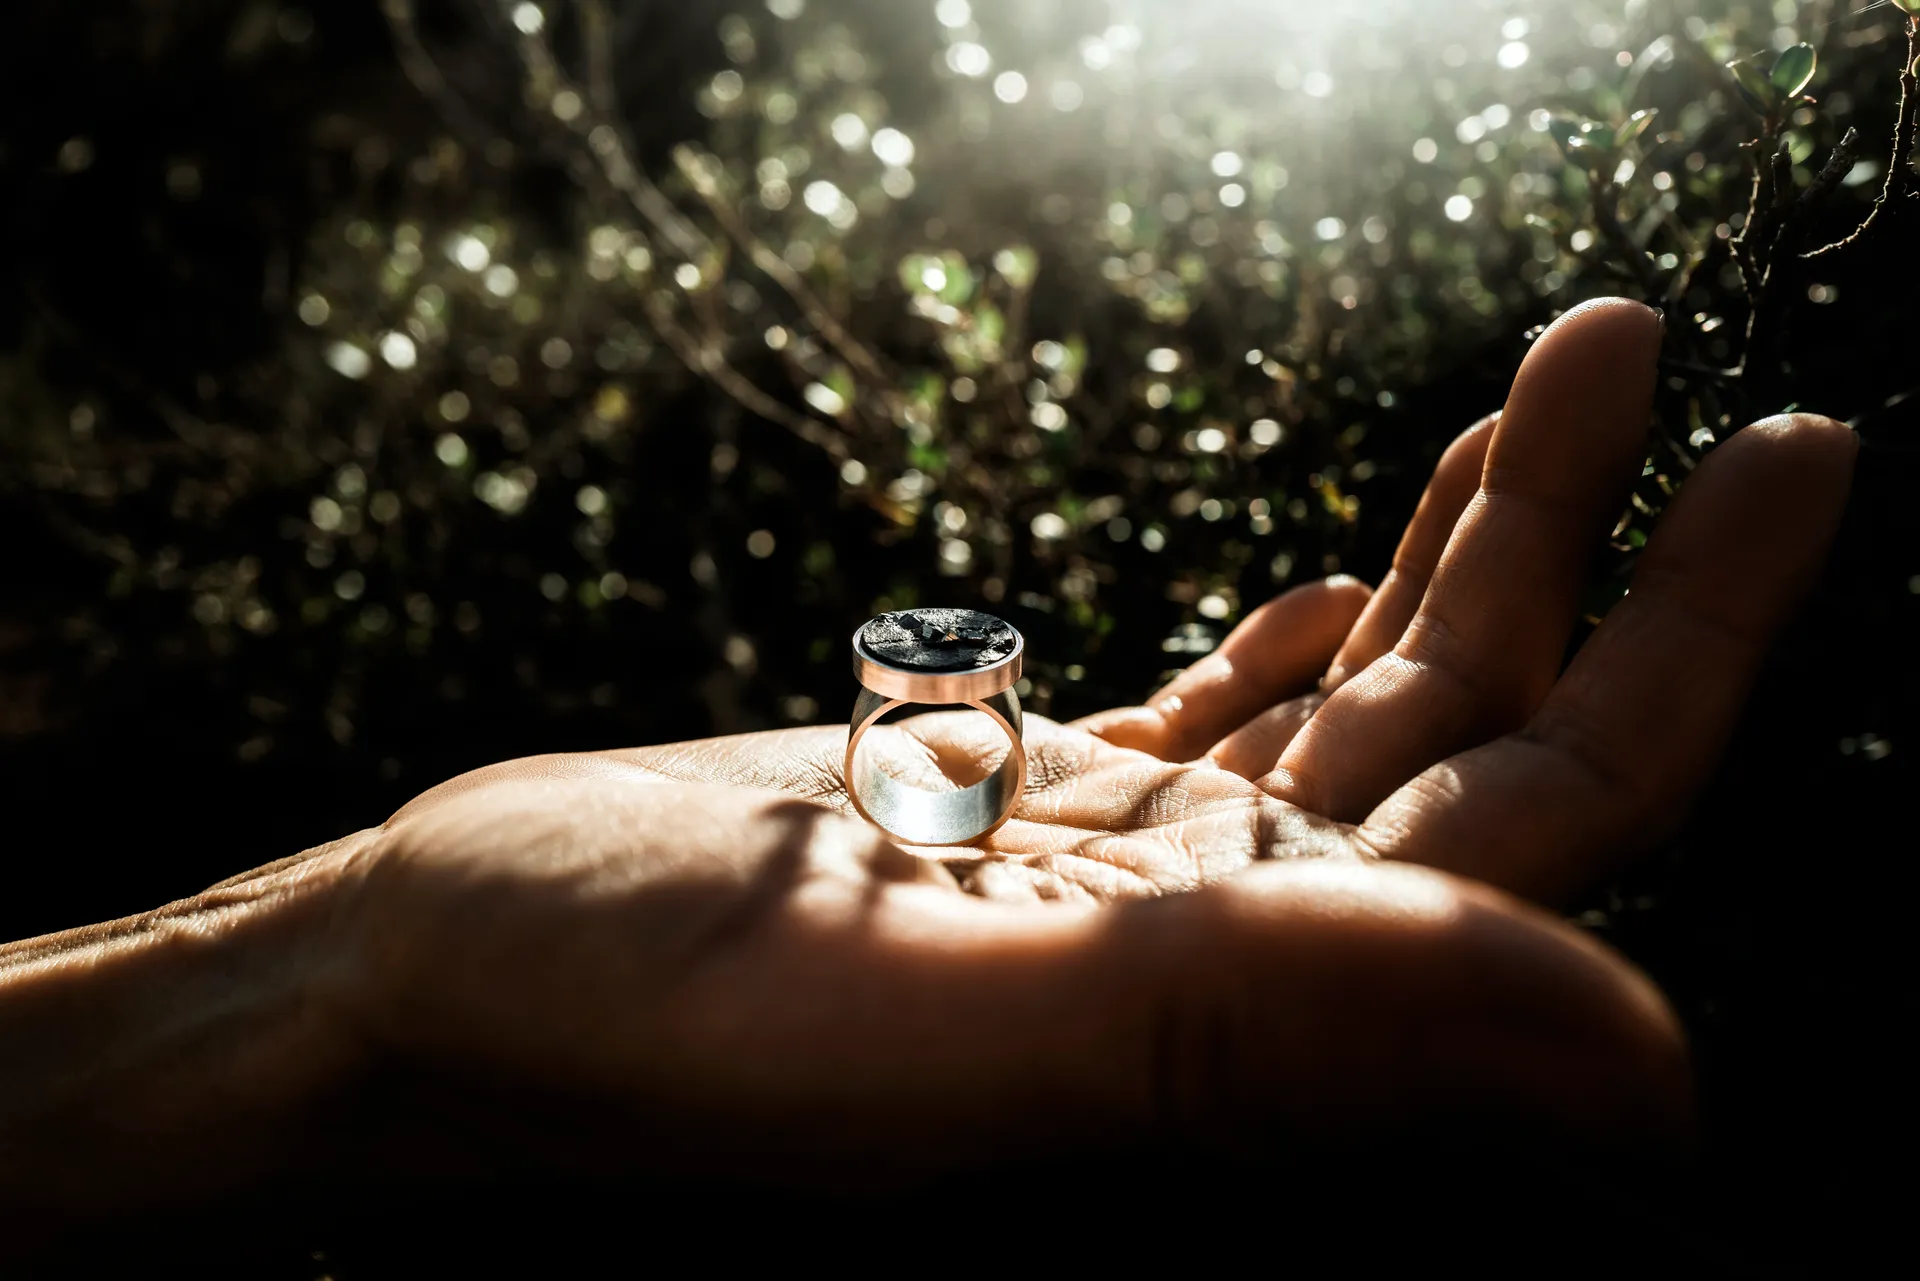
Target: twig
x=1759 y=199
x=1782 y=179
x=1674 y=365
x=1839 y=164
x=1781 y=258
x=1772 y=195
x=417 y=64
x=777 y=268
x=1899 y=180
x=1606 y=213
x=597 y=36
x=600 y=127
x=612 y=154
x=615 y=164
x=709 y=363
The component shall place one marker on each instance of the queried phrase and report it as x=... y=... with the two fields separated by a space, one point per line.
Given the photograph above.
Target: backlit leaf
x=1637 y=124
x=1754 y=87
x=1793 y=70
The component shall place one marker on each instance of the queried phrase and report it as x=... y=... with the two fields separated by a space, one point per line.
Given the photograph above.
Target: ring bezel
x=910 y=686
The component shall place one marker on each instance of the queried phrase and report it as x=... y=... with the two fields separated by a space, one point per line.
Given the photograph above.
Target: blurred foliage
x=507 y=376
x=598 y=367
x=1104 y=316
x=397 y=386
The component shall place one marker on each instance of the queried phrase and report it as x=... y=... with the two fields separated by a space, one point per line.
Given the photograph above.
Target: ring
x=934 y=657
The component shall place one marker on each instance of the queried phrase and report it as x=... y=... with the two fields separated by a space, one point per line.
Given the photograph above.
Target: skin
x=1302 y=897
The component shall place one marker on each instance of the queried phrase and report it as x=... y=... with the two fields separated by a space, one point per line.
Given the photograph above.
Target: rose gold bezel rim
x=938 y=687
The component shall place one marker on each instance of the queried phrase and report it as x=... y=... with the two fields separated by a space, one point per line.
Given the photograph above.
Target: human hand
x=1250 y=914
x=1211 y=919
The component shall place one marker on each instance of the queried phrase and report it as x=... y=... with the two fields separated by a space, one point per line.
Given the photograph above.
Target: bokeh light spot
x=893 y=147
x=399 y=351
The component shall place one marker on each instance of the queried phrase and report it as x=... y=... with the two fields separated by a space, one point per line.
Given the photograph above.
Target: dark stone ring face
x=938 y=641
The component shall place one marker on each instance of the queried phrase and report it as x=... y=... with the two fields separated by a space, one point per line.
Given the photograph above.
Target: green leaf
x=1754 y=87
x=1637 y=124
x=1793 y=70
x=1564 y=130
x=963 y=352
x=959 y=280
x=1584 y=142
x=931 y=459
x=1018 y=264
x=1076 y=362
x=1907 y=6
x=929 y=389
x=913 y=272
x=989 y=323
x=840 y=380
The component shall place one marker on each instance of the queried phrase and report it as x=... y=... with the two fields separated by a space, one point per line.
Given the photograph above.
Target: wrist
x=181 y=1057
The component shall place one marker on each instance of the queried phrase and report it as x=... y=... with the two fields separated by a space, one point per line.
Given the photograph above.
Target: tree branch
x=1759 y=200
x=1781 y=260
x=1606 y=213
x=598 y=39
x=1899 y=180
x=777 y=269
x=709 y=363
x=611 y=154
x=424 y=74
x=612 y=160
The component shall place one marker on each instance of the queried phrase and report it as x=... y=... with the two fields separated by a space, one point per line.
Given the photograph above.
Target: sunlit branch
x=1899 y=180
x=707 y=362
x=596 y=125
x=611 y=152
x=417 y=64
x=776 y=268
x=597 y=35
x=1775 y=254
x=1607 y=214
x=598 y=39
x=1759 y=153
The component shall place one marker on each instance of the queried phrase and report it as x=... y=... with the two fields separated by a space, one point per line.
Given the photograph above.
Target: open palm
x=1305 y=864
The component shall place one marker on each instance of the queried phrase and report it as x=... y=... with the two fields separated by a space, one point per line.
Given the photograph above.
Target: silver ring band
x=981 y=674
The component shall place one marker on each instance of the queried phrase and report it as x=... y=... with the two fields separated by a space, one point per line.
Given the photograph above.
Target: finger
x=1632 y=731
x=1490 y=634
x=1301 y=1003
x=1281 y=649
x=1455 y=481
x=1251 y=750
